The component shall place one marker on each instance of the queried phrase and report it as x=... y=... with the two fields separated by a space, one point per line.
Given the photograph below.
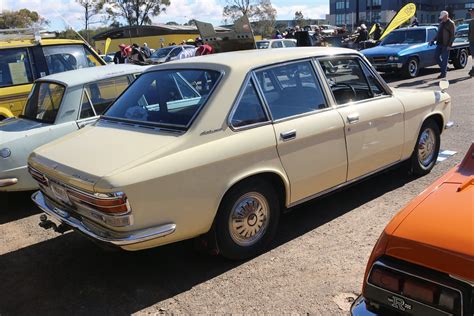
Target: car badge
x=399 y=303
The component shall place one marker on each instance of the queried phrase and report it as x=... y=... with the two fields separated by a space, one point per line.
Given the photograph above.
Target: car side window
x=294 y=89
x=431 y=34
x=14 y=67
x=347 y=79
x=249 y=110
x=290 y=44
x=277 y=44
x=100 y=94
x=62 y=58
x=375 y=85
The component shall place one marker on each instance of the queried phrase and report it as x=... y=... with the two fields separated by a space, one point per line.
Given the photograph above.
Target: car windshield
x=44 y=102
x=168 y=98
x=162 y=52
x=263 y=44
x=405 y=37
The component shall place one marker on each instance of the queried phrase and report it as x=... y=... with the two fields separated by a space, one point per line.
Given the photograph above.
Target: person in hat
x=121 y=56
x=202 y=48
x=444 y=40
x=471 y=40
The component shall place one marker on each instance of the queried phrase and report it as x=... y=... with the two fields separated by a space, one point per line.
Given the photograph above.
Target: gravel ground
x=315 y=266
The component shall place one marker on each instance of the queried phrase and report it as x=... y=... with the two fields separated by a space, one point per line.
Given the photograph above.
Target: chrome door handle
x=289 y=135
x=353 y=118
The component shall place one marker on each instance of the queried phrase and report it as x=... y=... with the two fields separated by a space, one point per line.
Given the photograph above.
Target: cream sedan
x=213 y=147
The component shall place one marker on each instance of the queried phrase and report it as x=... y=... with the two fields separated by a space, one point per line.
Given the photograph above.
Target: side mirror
x=444 y=85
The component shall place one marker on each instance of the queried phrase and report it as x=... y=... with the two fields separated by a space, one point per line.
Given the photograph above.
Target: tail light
x=113 y=204
x=415 y=288
x=38 y=176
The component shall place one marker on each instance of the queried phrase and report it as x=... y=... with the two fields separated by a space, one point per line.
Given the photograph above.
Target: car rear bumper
x=359 y=308
x=100 y=234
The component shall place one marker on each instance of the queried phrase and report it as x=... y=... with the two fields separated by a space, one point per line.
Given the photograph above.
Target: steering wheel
x=346 y=85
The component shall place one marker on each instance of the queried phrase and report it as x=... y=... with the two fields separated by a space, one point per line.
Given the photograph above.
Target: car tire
x=254 y=205
x=460 y=61
x=426 y=149
x=411 y=68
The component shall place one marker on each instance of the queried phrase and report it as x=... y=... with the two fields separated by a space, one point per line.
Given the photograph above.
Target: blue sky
x=179 y=11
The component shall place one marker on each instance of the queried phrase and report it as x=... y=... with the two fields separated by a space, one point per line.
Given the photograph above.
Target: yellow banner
x=404 y=14
x=107 y=44
x=372 y=29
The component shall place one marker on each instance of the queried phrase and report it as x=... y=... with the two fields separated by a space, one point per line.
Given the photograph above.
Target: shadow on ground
x=70 y=275
x=15 y=206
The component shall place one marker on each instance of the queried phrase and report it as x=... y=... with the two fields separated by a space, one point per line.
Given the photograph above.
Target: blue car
x=407 y=50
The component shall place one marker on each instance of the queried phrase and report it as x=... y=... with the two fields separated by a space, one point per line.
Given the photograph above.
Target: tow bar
x=47 y=224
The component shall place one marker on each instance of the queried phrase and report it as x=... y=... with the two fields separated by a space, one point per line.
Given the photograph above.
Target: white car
x=171 y=53
x=57 y=105
x=276 y=43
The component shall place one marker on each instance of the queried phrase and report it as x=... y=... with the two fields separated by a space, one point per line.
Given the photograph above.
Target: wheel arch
x=438 y=118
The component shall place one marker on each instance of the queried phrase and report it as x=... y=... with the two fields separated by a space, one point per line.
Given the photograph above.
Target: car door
x=309 y=133
x=374 y=119
x=429 y=57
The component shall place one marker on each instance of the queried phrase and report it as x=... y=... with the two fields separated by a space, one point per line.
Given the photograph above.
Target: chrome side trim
x=124 y=239
x=449 y=125
x=8 y=182
x=339 y=186
x=379 y=263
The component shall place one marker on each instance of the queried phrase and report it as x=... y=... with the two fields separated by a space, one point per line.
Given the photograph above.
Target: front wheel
x=411 y=68
x=460 y=61
x=426 y=149
x=247 y=219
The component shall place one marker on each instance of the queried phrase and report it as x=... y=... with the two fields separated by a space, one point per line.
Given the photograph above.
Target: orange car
x=423 y=263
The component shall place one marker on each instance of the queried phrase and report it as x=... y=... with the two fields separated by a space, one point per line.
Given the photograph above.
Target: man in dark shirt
x=444 y=41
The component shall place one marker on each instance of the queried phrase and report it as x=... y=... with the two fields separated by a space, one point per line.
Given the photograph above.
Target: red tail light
x=113 y=205
x=385 y=279
x=423 y=292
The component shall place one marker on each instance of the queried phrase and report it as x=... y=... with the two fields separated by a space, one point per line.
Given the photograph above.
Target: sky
x=60 y=12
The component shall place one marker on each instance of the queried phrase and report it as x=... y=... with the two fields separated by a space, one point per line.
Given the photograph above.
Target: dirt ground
x=315 y=266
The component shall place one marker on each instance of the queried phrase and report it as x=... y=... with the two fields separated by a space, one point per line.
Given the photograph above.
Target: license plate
x=60 y=193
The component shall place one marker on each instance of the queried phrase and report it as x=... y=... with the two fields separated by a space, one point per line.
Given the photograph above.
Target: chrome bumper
x=449 y=125
x=8 y=182
x=121 y=239
x=387 y=65
x=359 y=308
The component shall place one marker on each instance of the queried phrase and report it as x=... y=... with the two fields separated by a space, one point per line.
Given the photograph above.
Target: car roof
x=85 y=75
x=256 y=58
x=30 y=42
x=415 y=28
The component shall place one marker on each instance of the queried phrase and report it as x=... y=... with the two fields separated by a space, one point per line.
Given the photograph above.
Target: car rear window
x=60 y=58
x=44 y=102
x=14 y=67
x=169 y=98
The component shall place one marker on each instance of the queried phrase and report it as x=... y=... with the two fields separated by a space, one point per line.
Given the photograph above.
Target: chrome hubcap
x=249 y=219
x=463 y=59
x=426 y=147
x=412 y=67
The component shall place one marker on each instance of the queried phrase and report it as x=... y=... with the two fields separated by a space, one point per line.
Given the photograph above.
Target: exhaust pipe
x=47 y=224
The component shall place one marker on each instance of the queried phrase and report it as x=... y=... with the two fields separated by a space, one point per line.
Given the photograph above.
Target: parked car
x=275 y=43
x=58 y=104
x=171 y=53
x=407 y=50
x=25 y=58
x=423 y=262
x=209 y=145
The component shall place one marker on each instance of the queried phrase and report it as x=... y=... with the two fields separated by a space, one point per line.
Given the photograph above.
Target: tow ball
x=47 y=224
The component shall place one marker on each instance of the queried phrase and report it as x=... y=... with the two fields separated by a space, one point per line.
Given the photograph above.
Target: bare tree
x=91 y=9
x=260 y=12
x=136 y=12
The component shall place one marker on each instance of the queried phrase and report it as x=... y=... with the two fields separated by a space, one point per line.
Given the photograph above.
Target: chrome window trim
x=85 y=93
x=249 y=78
x=379 y=263
x=385 y=87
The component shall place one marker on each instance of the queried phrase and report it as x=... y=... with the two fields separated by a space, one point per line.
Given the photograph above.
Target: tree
x=20 y=19
x=261 y=12
x=91 y=9
x=299 y=19
x=172 y=23
x=136 y=12
x=191 y=22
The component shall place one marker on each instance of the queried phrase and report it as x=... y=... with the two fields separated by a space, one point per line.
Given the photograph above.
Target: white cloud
x=313 y=12
x=184 y=10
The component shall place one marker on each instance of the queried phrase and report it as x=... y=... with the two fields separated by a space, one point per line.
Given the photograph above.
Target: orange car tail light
x=111 y=205
x=415 y=288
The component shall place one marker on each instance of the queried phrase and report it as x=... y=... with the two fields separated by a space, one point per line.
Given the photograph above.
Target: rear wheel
x=411 y=68
x=426 y=149
x=247 y=219
x=460 y=61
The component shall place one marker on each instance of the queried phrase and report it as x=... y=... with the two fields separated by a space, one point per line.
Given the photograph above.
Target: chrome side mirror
x=444 y=85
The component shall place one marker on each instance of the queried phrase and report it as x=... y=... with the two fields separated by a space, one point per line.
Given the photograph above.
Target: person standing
x=146 y=50
x=471 y=40
x=377 y=32
x=202 y=48
x=121 y=56
x=444 y=40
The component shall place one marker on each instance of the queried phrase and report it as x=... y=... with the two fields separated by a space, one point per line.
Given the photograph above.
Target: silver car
x=57 y=105
x=171 y=53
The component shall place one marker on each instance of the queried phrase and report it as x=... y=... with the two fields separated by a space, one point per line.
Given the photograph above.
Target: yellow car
x=24 y=60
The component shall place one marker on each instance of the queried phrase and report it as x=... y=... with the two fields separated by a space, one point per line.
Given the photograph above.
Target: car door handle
x=289 y=135
x=353 y=118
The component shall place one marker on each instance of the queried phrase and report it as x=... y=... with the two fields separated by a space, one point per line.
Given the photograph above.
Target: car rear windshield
x=169 y=98
x=263 y=44
x=44 y=102
x=405 y=37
